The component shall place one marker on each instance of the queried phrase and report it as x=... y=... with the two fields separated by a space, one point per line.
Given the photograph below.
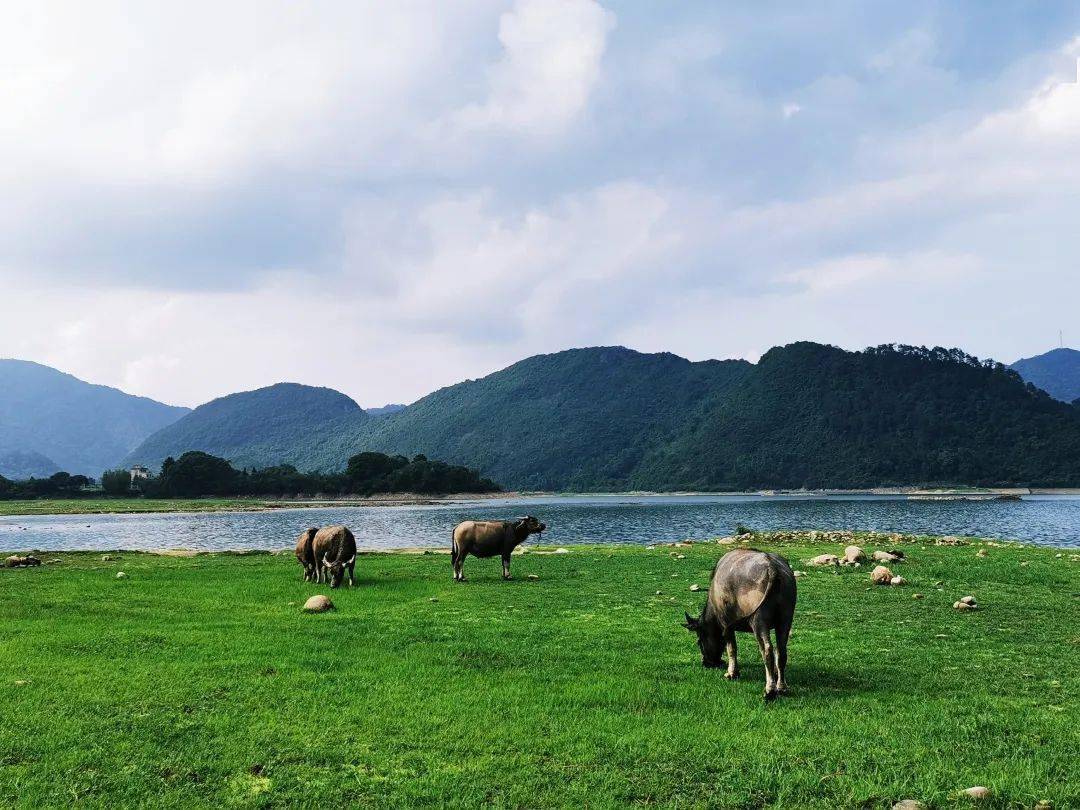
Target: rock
x=658 y=593
x=909 y=804
x=318 y=604
x=916 y=596
x=824 y=559
x=562 y=551
x=897 y=581
x=885 y=556
x=121 y=575
x=978 y=793
x=1044 y=804
x=854 y=554
x=695 y=587
x=799 y=574
x=982 y=552
x=107 y=558
x=881 y=575
x=22 y=683
x=680 y=556
x=532 y=577
x=950 y=540
x=968 y=600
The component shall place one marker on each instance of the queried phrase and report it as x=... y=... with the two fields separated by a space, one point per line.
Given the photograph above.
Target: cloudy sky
x=385 y=198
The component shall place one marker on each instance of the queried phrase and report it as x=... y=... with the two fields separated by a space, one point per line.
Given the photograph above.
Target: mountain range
x=605 y=418
x=50 y=420
x=609 y=418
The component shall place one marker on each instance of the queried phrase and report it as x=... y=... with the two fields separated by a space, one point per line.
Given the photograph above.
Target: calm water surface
x=1048 y=520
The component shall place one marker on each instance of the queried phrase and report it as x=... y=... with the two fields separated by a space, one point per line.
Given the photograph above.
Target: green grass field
x=102 y=506
x=199 y=682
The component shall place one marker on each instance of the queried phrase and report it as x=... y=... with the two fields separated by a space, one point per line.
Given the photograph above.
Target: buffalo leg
x=782 y=632
x=506 y=566
x=761 y=633
x=352 y=565
x=732 y=654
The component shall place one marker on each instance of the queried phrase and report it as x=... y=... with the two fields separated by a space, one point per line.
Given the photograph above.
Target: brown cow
x=752 y=592
x=486 y=538
x=334 y=548
x=305 y=553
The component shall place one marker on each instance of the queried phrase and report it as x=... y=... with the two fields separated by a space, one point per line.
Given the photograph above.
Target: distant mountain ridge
x=257 y=428
x=613 y=419
x=19 y=465
x=77 y=426
x=1057 y=372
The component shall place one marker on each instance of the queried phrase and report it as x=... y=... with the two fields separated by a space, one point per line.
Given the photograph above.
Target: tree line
x=196 y=474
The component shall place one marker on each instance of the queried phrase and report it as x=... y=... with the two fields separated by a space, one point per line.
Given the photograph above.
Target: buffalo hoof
x=770 y=694
x=783 y=690
x=731 y=676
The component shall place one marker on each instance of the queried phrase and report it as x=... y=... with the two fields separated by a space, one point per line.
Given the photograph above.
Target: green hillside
x=49 y=417
x=258 y=428
x=1057 y=373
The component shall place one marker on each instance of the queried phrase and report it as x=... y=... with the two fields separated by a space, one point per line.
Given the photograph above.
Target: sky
x=386 y=198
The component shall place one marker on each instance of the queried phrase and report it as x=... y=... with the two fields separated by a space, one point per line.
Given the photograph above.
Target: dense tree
x=116 y=482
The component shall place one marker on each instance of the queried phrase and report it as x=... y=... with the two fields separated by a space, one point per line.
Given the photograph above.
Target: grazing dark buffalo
x=305 y=553
x=334 y=549
x=486 y=538
x=751 y=592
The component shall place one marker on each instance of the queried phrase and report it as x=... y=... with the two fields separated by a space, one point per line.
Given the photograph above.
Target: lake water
x=1047 y=520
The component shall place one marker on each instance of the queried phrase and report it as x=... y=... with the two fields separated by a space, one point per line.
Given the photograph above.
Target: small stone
x=680 y=556
x=22 y=683
x=917 y=596
x=968 y=600
x=982 y=552
x=978 y=793
x=881 y=575
x=854 y=554
x=695 y=587
x=121 y=575
x=658 y=593
x=897 y=581
x=318 y=604
x=799 y=574
x=533 y=577
x=909 y=804
x=434 y=599
x=824 y=559
x=1025 y=562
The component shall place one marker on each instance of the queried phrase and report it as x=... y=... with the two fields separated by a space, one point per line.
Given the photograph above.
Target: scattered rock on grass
x=1044 y=804
x=107 y=558
x=533 y=577
x=121 y=575
x=695 y=587
x=881 y=575
x=982 y=552
x=824 y=559
x=318 y=604
x=950 y=540
x=978 y=792
x=916 y=596
x=799 y=574
x=909 y=804
x=22 y=683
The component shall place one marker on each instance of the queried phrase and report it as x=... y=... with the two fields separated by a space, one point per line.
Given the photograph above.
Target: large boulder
x=881 y=575
x=318 y=604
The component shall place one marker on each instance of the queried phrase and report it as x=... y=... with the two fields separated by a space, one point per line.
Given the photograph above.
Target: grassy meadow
x=199 y=681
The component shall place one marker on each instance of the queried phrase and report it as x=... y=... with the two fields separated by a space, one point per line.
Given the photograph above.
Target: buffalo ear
x=691 y=623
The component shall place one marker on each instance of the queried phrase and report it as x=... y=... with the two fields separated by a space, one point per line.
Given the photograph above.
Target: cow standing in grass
x=751 y=592
x=334 y=549
x=305 y=553
x=486 y=538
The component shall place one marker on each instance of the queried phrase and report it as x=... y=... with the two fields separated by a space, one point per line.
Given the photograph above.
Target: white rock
x=318 y=604
x=978 y=792
x=562 y=551
x=982 y=552
x=909 y=804
x=532 y=576
x=881 y=575
x=695 y=587
x=121 y=575
x=916 y=596
x=854 y=554
x=799 y=574
x=897 y=581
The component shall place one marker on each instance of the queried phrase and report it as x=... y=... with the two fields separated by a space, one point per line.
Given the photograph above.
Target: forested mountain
x=599 y=419
x=578 y=419
x=258 y=428
x=50 y=417
x=18 y=465
x=1057 y=373
x=817 y=416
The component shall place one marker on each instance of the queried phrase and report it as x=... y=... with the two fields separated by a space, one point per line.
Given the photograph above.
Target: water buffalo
x=305 y=553
x=486 y=538
x=751 y=592
x=334 y=549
